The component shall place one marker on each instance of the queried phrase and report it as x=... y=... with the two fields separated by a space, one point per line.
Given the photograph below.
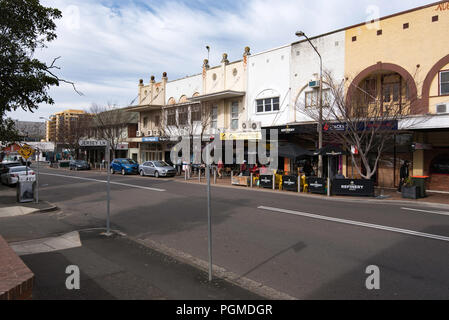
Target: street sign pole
x=108 y=190
x=37 y=177
x=209 y=221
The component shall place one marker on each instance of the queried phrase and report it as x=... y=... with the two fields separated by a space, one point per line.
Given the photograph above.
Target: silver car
x=157 y=169
x=11 y=177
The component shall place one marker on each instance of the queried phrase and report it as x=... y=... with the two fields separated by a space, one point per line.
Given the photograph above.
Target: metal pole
x=209 y=223
x=274 y=181
x=328 y=177
x=37 y=177
x=215 y=176
x=108 y=191
x=251 y=183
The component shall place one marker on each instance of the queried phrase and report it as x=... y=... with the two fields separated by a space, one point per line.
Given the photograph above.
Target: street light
x=301 y=34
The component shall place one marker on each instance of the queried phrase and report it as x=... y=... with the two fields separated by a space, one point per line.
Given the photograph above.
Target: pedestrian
x=220 y=168
x=404 y=174
x=243 y=168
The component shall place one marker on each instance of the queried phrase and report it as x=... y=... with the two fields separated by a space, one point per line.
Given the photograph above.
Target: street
x=295 y=246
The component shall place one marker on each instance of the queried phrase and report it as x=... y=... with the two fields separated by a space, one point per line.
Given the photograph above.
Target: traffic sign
x=26 y=151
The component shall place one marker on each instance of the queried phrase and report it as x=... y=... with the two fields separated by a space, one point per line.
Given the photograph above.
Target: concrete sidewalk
x=119 y=268
x=9 y=207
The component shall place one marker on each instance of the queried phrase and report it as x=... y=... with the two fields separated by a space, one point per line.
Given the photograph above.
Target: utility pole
x=209 y=221
x=320 y=106
x=108 y=190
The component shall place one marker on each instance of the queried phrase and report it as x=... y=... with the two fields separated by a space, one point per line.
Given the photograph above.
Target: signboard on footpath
x=317 y=185
x=266 y=181
x=348 y=187
x=290 y=183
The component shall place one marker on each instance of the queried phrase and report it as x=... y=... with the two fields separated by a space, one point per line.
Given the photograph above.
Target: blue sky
x=106 y=46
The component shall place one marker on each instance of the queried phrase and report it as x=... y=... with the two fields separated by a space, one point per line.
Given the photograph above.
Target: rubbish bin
x=420 y=181
x=25 y=189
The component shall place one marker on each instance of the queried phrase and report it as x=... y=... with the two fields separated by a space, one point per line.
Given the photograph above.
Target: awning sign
x=241 y=136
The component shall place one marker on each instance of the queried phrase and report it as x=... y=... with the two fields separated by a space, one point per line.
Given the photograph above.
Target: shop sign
x=353 y=187
x=257 y=135
x=290 y=183
x=93 y=143
x=317 y=185
x=150 y=139
x=266 y=182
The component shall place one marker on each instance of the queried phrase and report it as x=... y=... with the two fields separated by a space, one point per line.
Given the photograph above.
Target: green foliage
x=25 y=25
x=8 y=132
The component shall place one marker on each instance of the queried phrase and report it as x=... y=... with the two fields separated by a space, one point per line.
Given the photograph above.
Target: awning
x=293 y=151
x=228 y=94
x=147 y=107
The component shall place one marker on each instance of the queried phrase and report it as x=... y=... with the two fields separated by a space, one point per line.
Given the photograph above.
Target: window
x=157 y=120
x=379 y=32
x=444 y=82
x=214 y=117
x=440 y=165
x=145 y=122
x=196 y=113
x=312 y=98
x=267 y=105
x=434 y=18
x=171 y=117
x=406 y=25
x=183 y=116
x=370 y=90
x=354 y=39
x=234 y=116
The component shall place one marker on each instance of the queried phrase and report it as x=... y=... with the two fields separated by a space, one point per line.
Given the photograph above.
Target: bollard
x=215 y=176
x=251 y=183
x=274 y=181
x=299 y=184
x=185 y=175
x=199 y=174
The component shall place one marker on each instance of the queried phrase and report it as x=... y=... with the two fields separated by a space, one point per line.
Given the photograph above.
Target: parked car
x=124 y=166
x=11 y=177
x=4 y=166
x=79 y=165
x=157 y=169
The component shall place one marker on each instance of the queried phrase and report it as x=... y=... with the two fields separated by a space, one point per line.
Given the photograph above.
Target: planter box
x=411 y=192
x=240 y=181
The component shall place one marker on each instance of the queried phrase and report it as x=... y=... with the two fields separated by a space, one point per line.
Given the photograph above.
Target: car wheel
x=112 y=171
x=123 y=172
x=156 y=174
x=142 y=173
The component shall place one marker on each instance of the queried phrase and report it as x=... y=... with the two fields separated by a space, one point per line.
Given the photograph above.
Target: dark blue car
x=124 y=166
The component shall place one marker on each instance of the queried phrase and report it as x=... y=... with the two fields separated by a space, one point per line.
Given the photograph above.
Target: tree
x=70 y=134
x=109 y=123
x=25 y=26
x=364 y=121
x=8 y=132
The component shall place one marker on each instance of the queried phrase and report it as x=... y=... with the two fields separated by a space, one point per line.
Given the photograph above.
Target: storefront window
x=440 y=165
x=214 y=117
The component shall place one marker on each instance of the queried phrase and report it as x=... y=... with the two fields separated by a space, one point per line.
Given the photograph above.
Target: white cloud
x=105 y=50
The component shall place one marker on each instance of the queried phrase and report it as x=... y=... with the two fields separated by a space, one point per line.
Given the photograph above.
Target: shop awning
x=227 y=94
x=147 y=107
x=293 y=151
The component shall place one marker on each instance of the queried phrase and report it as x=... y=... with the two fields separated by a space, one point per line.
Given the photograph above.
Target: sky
x=106 y=46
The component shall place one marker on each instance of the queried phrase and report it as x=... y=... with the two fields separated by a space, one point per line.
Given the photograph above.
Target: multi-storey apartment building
x=60 y=124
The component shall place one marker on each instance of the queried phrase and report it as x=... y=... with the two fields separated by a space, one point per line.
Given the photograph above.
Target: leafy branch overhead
x=26 y=26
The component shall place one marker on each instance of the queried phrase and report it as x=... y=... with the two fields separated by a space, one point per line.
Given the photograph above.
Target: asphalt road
x=305 y=247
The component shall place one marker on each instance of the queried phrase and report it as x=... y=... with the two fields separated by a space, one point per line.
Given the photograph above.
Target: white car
x=11 y=177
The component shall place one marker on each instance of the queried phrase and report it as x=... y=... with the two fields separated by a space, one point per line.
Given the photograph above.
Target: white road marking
x=360 y=224
x=104 y=181
x=427 y=211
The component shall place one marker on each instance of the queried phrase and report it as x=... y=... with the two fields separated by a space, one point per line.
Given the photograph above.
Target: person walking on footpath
x=404 y=174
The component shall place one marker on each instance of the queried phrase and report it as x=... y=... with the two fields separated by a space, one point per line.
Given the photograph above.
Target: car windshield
x=10 y=165
x=128 y=161
x=160 y=164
